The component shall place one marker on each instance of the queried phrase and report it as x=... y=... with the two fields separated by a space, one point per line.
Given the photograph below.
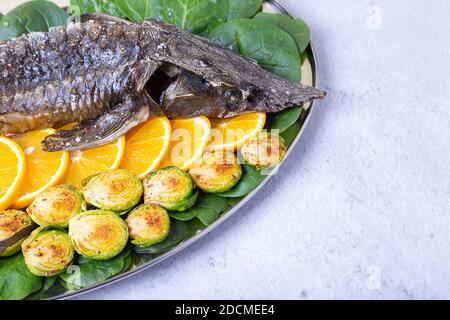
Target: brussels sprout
x=171 y=188
x=98 y=234
x=217 y=172
x=11 y=223
x=47 y=252
x=264 y=150
x=56 y=206
x=114 y=190
x=148 y=224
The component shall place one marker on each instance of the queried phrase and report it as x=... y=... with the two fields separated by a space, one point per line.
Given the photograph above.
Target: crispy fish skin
x=66 y=75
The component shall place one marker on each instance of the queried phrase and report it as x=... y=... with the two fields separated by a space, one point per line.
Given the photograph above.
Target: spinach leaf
x=234 y=201
x=207 y=209
x=243 y=8
x=48 y=283
x=290 y=134
x=251 y=179
x=87 y=272
x=271 y=47
x=297 y=28
x=135 y=10
x=183 y=216
x=285 y=118
x=31 y=16
x=190 y=15
x=80 y=7
x=179 y=231
x=16 y=282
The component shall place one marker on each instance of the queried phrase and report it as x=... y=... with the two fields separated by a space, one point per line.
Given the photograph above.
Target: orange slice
x=189 y=140
x=12 y=171
x=230 y=134
x=89 y=162
x=146 y=146
x=44 y=169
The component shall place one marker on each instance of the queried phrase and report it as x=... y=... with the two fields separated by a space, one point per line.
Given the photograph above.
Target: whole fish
x=99 y=73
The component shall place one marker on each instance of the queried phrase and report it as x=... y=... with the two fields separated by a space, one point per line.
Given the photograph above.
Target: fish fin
x=106 y=128
x=98 y=17
x=144 y=71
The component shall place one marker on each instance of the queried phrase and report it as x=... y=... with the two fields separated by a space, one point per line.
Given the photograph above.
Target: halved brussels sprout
x=115 y=190
x=98 y=234
x=171 y=188
x=264 y=150
x=11 y=223
x=217 y=172
x=148 y=224
x=56 y=206
x=47 y=252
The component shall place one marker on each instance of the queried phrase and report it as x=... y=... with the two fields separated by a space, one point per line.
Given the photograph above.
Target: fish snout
x=286 y=95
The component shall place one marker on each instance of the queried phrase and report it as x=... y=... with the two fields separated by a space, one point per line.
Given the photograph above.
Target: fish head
x=216 y=82
x=192 y=95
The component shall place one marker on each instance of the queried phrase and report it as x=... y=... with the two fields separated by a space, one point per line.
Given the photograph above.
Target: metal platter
x=309 y=76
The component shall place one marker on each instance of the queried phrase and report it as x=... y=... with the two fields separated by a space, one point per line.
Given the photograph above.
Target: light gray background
x=361 y=209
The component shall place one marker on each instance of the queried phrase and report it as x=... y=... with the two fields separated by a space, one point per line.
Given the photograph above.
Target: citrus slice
x=12 y=171
x=88 y=162
x=230 y=134
x=189 y=140
x=146 y=146
x=44 y=169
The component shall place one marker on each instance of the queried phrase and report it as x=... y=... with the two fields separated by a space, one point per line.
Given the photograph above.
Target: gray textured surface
x=361 y=209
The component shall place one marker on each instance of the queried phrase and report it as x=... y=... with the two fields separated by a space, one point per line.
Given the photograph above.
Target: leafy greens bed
x=276 y=41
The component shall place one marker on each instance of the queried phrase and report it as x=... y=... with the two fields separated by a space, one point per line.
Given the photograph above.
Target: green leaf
x=183 y=216
x=135 y=10
x=178 y=231
x=243 y=8
x=31 y=16
x=16 y=282
x=234 y=201
x=285 y=118
x=297 y=28
x=264 y=42
x=86 y=273
x=80 y=7
x=250 y=181
x=190 y=15
x=48 y=283
x=207 y=209
x=290 y=134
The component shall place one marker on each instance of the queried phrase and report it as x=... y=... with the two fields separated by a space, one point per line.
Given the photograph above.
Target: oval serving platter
x=142 y=262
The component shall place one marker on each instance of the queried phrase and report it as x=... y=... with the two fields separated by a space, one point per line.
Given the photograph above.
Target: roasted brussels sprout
x=264 y=150
x=148 y=224
x=56 y=206
x=114 y=190
x=98 y=234
x=13 y=223
x=217 y=172
x=171 y=188
x=47 y=252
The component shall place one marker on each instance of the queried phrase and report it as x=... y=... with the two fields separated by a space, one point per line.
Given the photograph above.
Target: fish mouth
x=160 y=81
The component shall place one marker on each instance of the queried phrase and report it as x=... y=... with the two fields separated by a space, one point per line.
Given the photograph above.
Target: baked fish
x=109 y=75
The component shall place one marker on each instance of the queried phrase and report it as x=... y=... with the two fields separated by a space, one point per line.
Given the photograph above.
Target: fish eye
x=233 y=96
